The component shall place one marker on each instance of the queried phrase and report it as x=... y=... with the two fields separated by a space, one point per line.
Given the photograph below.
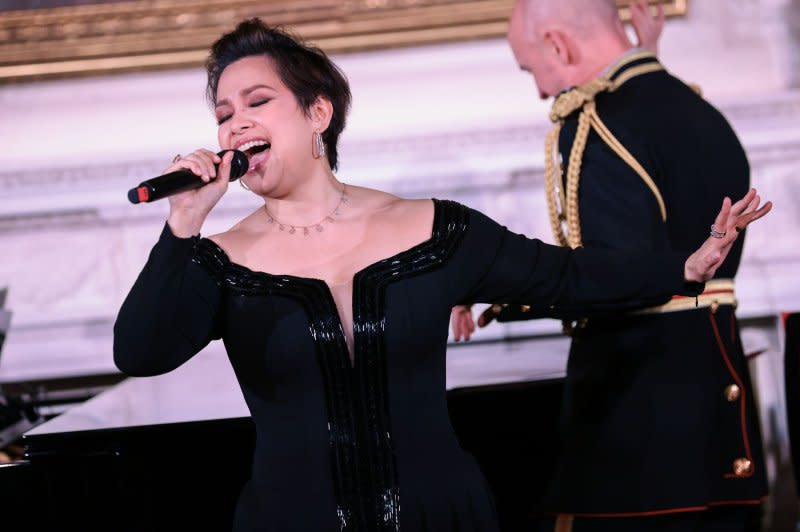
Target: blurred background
x=98 y=96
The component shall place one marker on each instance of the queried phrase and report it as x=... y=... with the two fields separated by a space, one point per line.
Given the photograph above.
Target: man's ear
x=321 y=112
x=564 y=48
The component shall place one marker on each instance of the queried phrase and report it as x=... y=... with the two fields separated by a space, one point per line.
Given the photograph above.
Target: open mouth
x=253 y=147
x=257 y=152
x=257 y=149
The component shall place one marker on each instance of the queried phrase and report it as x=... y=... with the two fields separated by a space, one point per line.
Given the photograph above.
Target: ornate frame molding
x=140 y=35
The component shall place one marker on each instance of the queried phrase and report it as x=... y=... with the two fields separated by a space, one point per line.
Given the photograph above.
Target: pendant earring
x=241 y=184
x=317 y=145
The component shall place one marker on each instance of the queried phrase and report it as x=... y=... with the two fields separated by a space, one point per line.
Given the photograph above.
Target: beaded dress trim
x=359 y=422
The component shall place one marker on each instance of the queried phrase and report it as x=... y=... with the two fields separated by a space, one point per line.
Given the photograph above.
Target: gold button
x=742 y=467
x=496 y=309
x=525 y=308
x=732 y=392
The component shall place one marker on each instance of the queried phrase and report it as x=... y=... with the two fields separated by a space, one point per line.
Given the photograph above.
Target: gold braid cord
x=573 y=177
x=563 y=207
x=562 y=194
x=567 y=209
x=553 y=186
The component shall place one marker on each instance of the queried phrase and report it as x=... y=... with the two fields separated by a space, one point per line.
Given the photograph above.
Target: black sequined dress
x=368 y=445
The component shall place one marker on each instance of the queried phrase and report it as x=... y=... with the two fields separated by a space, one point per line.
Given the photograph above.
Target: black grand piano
x=171 y=452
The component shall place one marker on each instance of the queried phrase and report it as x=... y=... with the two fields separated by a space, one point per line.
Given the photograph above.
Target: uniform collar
x=636 y=58
x=627 y=60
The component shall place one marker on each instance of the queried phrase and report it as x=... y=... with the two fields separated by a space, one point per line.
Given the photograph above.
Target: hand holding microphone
x=194 y=184
x=194 y=171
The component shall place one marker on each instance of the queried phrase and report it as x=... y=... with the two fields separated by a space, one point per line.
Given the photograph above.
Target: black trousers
x=717 y=519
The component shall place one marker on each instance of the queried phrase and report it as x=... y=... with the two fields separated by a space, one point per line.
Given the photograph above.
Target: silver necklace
x=306 y=229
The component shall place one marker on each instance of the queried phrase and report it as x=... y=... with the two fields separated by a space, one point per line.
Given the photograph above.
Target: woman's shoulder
x=426 y=212
x=387 y=204
x=377 y=206
x=238 y=236
x=374 y=199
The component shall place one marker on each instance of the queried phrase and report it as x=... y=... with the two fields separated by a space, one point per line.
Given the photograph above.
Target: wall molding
x=461 y=156
x=157 y=34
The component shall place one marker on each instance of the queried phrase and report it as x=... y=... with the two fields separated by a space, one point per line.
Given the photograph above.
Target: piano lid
x=204 y=388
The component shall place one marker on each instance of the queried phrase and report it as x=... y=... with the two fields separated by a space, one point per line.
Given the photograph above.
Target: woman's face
x=259 y=115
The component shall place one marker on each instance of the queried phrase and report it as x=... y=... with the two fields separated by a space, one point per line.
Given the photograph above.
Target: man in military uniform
x=659 y=428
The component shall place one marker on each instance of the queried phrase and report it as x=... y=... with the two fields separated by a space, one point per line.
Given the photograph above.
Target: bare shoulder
x=390 y=218
x=239 y=237
x=381 y=207
x=417 y=214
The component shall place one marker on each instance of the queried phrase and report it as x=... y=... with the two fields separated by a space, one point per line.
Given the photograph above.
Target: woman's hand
x=731 y=220
x=648 y=28
x=188 y=210
x=461 y=319
x=463 y=323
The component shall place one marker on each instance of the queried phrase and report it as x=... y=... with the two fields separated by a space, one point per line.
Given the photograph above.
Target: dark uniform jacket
x=649 y=421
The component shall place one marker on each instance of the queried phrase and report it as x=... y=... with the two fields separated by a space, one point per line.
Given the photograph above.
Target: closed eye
x=256 y=103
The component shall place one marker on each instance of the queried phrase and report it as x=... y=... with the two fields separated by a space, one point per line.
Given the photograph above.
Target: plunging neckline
x=354 y=278
x=357 y=394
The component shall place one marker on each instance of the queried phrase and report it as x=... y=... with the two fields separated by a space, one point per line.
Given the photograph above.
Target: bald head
x=577 y=15
x=565 y=42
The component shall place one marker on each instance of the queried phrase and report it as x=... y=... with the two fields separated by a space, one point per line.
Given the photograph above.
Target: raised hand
x=731 y=220
x=648 y=28
x=189 y=209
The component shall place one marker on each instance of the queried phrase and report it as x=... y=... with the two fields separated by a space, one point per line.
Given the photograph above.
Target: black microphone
x=182 y=180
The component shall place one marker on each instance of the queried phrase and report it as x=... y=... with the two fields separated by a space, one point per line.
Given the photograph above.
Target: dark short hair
x=305 y=70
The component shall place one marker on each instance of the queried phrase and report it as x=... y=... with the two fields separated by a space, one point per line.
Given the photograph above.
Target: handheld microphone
x=182 y=180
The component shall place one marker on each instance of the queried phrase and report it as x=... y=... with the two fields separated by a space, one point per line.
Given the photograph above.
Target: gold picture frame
x=135 y=35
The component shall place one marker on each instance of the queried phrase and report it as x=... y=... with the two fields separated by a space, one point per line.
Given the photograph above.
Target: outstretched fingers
x=721 y=221
x=732 y=218
x=747 y=210
x=740 y=206
x=749 y=217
